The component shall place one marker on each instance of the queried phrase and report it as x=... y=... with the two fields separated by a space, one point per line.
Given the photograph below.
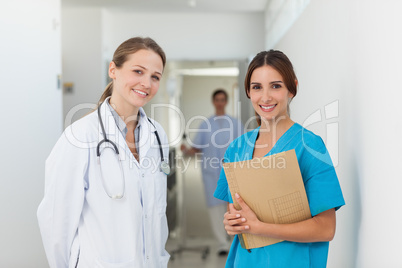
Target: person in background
x=104 y=205
x=211 y=141
x=271 y=84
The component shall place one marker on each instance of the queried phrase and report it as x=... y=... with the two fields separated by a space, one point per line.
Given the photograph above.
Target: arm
x=199 y=140
x=317 y=229
x=60 y=210
x=189 y=152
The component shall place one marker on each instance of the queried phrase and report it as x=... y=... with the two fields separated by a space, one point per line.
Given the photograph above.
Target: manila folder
x=273 y=188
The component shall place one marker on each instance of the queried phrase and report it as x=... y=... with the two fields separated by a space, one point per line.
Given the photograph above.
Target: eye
x=156 y=78
x=138 y=71
x=276 y=86
x=256 y=87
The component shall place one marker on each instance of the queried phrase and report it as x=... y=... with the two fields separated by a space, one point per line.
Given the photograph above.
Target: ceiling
x=220 y=6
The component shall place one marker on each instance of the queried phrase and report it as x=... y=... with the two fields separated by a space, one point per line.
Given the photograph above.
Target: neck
x=126 y=111
x=220 y=112
x=275 y=127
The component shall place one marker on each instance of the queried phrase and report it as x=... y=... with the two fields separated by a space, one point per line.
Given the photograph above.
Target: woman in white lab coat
x=109 y=210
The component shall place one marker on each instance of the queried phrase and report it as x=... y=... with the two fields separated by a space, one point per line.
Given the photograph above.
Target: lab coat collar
x=147 y=139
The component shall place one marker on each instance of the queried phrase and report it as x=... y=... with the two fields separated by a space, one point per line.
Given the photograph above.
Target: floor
x=192 y=254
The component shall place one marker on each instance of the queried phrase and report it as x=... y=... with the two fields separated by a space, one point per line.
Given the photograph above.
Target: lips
x=140 y=93
x=267 y=108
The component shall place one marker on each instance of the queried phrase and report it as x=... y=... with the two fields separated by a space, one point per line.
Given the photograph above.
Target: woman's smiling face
x=268 y=93
x=137 y=81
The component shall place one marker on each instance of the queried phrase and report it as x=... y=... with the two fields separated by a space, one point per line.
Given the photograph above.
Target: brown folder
x=273 y=188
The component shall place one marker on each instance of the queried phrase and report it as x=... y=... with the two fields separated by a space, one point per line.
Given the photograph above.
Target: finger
x=229 y=216
x=232 y=209
x=232 y=230
x=238 y=221
x=241 y=202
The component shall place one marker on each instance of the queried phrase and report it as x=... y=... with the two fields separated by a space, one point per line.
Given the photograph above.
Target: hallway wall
x=82 y=59
x=189 y=36
x=31 y=117
x=91 y=35
x=347 y=54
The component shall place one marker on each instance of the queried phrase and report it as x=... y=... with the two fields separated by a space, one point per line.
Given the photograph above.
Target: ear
x=290 y=95
x=112 y=70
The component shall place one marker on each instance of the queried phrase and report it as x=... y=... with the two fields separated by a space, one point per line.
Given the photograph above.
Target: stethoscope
x=165 y=168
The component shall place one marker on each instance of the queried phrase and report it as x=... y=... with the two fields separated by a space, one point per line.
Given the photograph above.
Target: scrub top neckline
x=279 y=144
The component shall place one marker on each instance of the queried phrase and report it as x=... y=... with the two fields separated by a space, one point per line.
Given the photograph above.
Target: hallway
x=193 y=258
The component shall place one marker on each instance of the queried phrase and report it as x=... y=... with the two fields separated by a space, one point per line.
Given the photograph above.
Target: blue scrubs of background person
x=212 y=139
x=271 y=84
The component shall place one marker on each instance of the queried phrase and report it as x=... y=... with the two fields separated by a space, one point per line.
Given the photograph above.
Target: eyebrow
x=146 y=69
x=273 y=82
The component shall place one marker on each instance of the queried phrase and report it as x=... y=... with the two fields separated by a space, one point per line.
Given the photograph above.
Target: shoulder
x=205 y=123
x=208 y=121
x=76 y=139
x=310 y=140
x=232 y=118
x=83 y=132
x=311 y=148
x=85 y=123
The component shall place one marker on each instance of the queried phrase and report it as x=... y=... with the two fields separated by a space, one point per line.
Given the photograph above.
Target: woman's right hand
x=233 y=222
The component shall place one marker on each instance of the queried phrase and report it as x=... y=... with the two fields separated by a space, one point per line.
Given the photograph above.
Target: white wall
x=379 y=93
x=280 y=15
x=190 y=36
x=349 y=51
x=31 y=114
x=91 y=35
x=83 y=64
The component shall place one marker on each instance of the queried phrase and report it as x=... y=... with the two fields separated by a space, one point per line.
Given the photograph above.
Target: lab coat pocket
x=103 y=264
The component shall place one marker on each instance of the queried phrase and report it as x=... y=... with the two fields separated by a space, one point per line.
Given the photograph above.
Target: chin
x=139 y=102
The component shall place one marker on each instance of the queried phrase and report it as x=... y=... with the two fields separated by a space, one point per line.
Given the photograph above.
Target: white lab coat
x=81 y=225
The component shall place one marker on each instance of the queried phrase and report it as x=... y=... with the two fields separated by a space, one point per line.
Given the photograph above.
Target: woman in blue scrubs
x=271 y=84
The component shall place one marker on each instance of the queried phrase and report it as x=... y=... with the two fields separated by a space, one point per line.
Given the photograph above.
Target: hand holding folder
x=273 y=188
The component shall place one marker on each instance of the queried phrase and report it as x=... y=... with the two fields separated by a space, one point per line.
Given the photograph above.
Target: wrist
x=260 y=228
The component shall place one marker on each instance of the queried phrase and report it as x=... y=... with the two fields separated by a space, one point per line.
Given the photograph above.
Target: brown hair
x=219 y=91
x=127 y=48
x=280 y=62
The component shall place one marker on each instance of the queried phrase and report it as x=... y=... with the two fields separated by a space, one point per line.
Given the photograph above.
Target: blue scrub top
x=322 y=189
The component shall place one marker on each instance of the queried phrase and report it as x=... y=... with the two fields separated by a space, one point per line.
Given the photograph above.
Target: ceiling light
x=192 y=3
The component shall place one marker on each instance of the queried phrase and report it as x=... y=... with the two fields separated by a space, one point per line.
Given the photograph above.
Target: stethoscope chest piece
x=165 y=167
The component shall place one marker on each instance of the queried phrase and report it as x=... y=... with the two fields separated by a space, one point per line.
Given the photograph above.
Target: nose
x=266 y=95
x=146 y=82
